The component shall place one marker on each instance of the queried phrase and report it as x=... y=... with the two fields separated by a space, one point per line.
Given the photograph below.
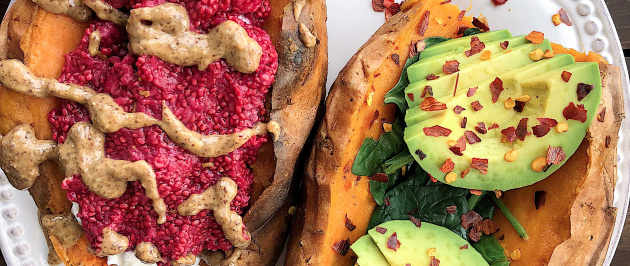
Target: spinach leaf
x=379 y=189
x=485 y=208
x=425 y=200
x=491 y=251
x=472 y=31
x=397 y=94
x=402 y=159
x=373 y=154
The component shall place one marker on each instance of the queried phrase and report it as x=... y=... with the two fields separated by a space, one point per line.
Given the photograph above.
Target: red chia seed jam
x=219 y=100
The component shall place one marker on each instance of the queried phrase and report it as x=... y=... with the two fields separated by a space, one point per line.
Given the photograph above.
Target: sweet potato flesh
x=350 y=195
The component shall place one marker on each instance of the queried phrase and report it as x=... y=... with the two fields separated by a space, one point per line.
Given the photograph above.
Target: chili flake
x=381 y=230
x=349 y=224
x=482 y=26
x=459 y=147
x=471 y=91
x=377 y=5
x=555 y=155
x=396 y=59
x=469 y=219
x=460 y=17
x=504 y=44
x=380 y=177
x=458 y=109
x=564 y=17
x=465 y=173
x=607 y=142
x=437 y=131
x=521 y=129
x=509 y=133
x=495 y=125
x=392 y=242
x=481 y=128
x=583 y=90
x=410 y=95
x=421 y=154
x=476 y=46
x=496 y=87
x=342 y=247
x=519 y=106
x=476 y=106
x=601 y=117
x=428 y=90
x=471 y=137
x=424 y=23
x=431 y=104
x=575 y=112
x=451 y=209
x=499 y=2
x=566 y=76
x=447 y=166
x=450 y=67
x=432 y=77
x=480 y=164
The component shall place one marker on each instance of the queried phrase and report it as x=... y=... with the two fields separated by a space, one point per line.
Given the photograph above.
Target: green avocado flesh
x=541 y=80
x=415 y=243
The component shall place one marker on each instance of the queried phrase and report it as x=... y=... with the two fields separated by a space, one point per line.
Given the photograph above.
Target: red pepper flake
x=447 y=166
x=464 y=247
x=392 y=242
x=471 y=91
x=432 y=178
x=463 y=123
x=459 y=147
x=349 y=224
x=566 y=76
x=432 y=77
x=460 y=17
x=451 y=209
x=374 y=118
x=434 y=261
x=410 y=95
x=421 y=154
x=450 y=67
x=607 y=142
x=495 y=125
x=415 y=221
x=465 y=172
x=476 y=106
x=431 y=104
x=474 y=235
x=541 y=130
x=601 y=117
x=387 y=202
x=377 y=5
x=413 y=49
x=456 y=84
x=471 y=137
x=487 y=226
x=396 y=59
x=381 y=230
x=535 y=37
x=481 y=128
x=548 y=121
x=500 y=238
x=555 y=155
x=499 y=2
x=376 y=75
x=480 y=164
x=504 y=44
x=424 y=23
x=470 y=219
x=509 y=133
x=583 y=90
x=482 y=26
x=519 y=106
x=458 y=109
x=393 y=9
x=380 y=177
x=521 y=129
x=540 y=197
x=436 y=131
x=445 y=2
x=342 y=247
x=476 y=46
x=428 y=90
x=496 y=87
x=475 y=192
x=575 y=112
x=564 y=17
x=461 y=29
x=388 y=3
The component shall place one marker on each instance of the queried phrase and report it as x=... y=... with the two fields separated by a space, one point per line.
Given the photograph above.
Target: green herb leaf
x=373 y=154
x=491 y=251
x=402 y=159
x=472 y=31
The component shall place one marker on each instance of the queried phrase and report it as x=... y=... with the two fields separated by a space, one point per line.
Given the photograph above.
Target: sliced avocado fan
x=505 y=117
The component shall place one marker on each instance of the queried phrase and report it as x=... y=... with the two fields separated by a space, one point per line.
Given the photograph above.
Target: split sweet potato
x=40 y=39
x=569 y=216
x=354 y=111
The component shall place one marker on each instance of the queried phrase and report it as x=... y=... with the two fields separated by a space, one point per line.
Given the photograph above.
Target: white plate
x=350 y=24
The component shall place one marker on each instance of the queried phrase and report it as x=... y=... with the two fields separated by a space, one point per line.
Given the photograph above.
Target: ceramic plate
x=350 y=24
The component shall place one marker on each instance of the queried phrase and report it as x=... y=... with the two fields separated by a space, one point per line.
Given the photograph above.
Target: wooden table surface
x=620 y=11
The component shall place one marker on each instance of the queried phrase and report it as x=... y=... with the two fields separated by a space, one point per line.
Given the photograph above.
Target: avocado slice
x=368 y=252
x=453 y=44
x=433 y=65
x=469 y=76
x=417 y=243
x=542 y=81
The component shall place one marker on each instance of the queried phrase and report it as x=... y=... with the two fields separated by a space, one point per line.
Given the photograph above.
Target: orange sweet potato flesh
x=331 y=191
x=574 y=225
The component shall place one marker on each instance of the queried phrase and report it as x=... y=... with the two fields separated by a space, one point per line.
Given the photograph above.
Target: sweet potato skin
x=32 y=35
x=331 y=191
x=578 y=214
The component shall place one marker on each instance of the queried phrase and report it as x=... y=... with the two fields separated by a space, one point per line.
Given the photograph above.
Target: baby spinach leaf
x=397 y=94
x=485 y=208
x=373 y=154
x=402 y=159
x=491 y=251
x=472 y=31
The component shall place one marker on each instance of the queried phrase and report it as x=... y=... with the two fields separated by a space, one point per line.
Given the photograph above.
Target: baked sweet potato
x=572 y=209
x=354 y=109
x=41 y=38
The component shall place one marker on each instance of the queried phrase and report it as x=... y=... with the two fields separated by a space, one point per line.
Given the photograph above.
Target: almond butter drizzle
x=217 y=198
x=95 y=42
x=164 y=31
x=63 y=226
x=105 y=11
x=113 y=243
x=72 y=8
